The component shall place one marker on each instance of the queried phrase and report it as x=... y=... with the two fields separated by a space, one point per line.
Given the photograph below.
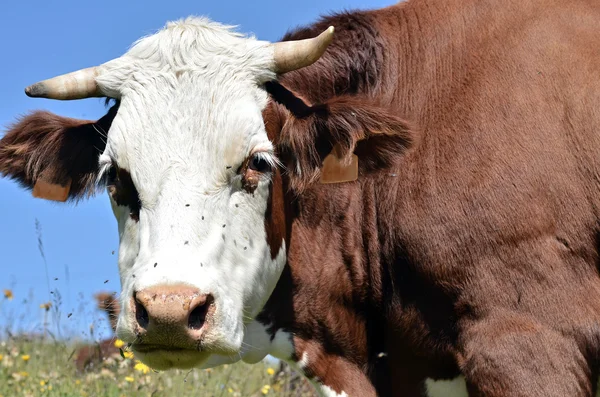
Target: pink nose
x=169 y=311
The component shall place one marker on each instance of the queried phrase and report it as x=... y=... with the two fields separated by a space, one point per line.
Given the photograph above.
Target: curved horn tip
x=328 y=34
x=294 y=55
x=36 y=90
x=326 y=37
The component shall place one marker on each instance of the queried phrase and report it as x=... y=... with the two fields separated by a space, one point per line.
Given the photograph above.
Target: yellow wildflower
x=271 y=371
x=23 y=374
x=8 y=294
x=77 y=382
x=1 y=357
x=42 y=383
x=143 y=368
x=25 y=357
x=129 y=379
x=49 y=387
x=265 y=389
x=119 y=343
x=128 y=354
x=46 y=306
x=230 y=390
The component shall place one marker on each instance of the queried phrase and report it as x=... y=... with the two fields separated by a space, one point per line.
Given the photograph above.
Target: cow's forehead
x=191 y=101
x=193 y=46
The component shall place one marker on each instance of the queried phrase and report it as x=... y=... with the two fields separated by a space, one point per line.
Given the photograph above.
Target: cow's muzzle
x=170 y=318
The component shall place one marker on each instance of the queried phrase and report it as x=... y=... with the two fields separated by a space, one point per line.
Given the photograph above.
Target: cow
x=408 y=206
x=90 y=355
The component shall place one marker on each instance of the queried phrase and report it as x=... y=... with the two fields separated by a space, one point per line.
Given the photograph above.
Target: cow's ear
x=55 y=156
x=351 y=124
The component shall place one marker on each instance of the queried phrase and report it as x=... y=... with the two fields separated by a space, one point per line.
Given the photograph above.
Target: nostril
x=198 y=315
x=141 y=314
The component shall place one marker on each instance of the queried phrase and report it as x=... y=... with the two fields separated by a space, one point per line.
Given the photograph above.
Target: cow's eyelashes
x=258 y=163
x=254 y=169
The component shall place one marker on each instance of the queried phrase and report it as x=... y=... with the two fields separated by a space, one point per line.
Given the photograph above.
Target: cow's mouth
x=163 y=357
x=154 y=348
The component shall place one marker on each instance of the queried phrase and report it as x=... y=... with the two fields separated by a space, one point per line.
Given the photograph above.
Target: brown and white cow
x=461 y=241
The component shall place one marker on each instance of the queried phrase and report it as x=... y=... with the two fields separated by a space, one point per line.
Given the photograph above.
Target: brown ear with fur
x=351 y=124
x=50 y=152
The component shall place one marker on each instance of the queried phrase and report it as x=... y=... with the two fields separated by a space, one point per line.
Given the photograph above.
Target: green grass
x=33 y=367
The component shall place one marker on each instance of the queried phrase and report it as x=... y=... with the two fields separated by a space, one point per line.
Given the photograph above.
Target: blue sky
x=40 y=39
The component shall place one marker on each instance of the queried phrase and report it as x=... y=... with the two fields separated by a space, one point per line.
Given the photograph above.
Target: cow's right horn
x=293 y=55
x=76 y=85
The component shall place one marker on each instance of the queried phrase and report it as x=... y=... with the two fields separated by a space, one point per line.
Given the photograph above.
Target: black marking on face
x=123 y=191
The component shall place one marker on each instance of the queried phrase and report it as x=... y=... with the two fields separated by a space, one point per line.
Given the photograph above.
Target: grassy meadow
x=36 y=368
x=40 y=360
x=40 y=363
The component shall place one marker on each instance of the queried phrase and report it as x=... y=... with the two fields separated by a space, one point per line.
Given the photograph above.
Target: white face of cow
x=195 y=264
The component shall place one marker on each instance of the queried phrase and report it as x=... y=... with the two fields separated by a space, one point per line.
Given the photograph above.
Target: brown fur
x=57 y=149
x=475 y=250
x=352 y=122
x=109 y=303
x=469 y=244
x=90 y=356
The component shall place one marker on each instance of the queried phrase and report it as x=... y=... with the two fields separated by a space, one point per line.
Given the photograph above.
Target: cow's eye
x=122 y=190
x=259 y=164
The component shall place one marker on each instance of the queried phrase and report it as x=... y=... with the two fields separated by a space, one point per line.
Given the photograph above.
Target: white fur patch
x=326 y=391
x=322 y=389
x=303 y=362
x=456 y=387
x=256 y=346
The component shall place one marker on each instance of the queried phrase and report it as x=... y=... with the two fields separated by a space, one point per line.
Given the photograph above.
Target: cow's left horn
x=76 y=85
x=293 y=55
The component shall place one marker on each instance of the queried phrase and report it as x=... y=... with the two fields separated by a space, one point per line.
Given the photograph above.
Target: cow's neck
x=326 y=287
x=341 y=251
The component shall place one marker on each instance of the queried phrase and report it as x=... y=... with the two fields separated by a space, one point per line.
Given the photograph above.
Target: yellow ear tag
x=335 y=170
x=51 y=191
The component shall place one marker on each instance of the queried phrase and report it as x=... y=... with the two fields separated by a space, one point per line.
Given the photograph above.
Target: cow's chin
x=163 y=359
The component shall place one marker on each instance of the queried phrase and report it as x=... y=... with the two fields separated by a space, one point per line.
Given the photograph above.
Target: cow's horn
x=76 y=85
x=293 y=55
